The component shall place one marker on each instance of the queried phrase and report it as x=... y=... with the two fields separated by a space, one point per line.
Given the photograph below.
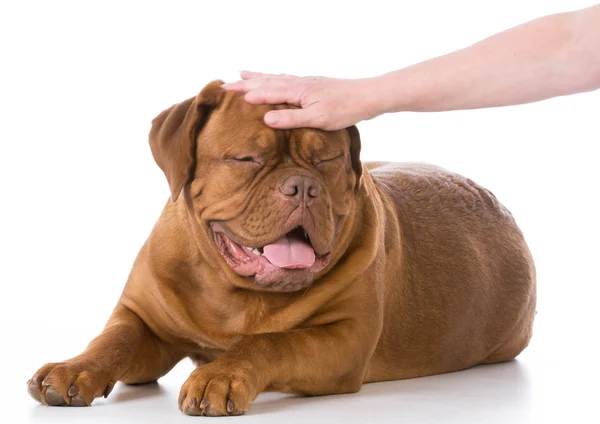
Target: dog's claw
x=109 y=388
x=71 y=383
x=73 y=390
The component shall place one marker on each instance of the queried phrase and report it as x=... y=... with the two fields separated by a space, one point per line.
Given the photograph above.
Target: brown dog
x=282 y=263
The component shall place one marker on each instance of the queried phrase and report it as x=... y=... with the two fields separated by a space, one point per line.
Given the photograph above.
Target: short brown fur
x=429 y=272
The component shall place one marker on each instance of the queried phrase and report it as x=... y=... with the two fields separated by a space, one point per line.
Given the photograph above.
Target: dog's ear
x=174 y=132
x=355 y=152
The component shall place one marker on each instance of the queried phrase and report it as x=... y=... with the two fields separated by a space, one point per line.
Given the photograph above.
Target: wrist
x=387 y=93
x=367 y=99
x=400 y=91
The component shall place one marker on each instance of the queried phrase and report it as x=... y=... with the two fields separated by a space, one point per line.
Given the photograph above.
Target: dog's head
x=272 y=201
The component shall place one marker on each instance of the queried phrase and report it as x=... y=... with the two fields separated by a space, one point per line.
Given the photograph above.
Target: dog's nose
x=300 y=187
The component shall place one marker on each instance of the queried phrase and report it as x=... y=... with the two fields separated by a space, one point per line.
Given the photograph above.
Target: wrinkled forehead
x=236 y=122
x=235 y=110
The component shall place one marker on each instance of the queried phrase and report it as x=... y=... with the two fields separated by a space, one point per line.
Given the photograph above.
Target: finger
x=246 y=75
x=268 y=81
x=242 y=86
x=292 y=118
x=274 y=95
x=247 y=85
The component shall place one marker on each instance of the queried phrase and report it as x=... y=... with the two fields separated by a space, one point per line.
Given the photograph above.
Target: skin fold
x=421 y=271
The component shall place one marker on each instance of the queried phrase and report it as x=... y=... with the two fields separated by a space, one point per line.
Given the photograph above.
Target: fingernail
x=272 y=118
x=226 y=85
x=73 y=390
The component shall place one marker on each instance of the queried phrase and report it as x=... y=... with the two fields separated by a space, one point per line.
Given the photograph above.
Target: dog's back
x=460 y=286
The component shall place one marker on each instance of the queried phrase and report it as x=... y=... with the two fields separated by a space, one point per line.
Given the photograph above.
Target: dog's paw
x=74 y=383
x=217 y=389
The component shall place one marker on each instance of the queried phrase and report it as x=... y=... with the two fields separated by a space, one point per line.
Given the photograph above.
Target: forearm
x=287 y=361
x=548 y=57
x=126 y=347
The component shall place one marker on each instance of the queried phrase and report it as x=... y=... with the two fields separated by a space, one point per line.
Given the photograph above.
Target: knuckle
x=238 y=385
x=310 y=82
x=85 y=377
x=47 y=368
x=280 y=90
x=306 y=89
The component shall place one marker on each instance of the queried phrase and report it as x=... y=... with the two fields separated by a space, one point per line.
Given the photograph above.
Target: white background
x=79 y=85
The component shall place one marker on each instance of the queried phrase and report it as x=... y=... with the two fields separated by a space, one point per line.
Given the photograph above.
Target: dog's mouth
x=285 y=264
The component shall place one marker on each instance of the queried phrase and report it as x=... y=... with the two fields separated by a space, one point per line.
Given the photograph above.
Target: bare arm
x=548 y=57
x=551 y=56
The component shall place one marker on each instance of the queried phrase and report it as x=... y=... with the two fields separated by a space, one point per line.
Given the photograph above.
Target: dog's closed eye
x=242 y=159
x=332 y=159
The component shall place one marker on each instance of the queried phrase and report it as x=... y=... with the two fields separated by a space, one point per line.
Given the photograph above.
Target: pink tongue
x=290 y=252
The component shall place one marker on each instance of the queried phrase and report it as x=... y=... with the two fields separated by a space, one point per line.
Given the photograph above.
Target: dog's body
x=403 y=270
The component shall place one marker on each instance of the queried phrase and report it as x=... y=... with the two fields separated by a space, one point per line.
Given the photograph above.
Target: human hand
x=326 y=103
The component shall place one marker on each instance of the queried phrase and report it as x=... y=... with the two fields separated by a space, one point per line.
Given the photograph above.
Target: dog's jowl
x=281 y=262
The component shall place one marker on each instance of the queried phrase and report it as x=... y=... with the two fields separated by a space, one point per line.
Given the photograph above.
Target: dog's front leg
x=126 y=350
x=318 y=360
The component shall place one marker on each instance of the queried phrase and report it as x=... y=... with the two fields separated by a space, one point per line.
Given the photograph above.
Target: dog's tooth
x=247 y=248
x=256 y=252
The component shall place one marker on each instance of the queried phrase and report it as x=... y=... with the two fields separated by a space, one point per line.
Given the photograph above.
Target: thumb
x=290 y=118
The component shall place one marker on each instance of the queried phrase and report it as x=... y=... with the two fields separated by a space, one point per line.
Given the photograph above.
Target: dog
x=282 y=263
